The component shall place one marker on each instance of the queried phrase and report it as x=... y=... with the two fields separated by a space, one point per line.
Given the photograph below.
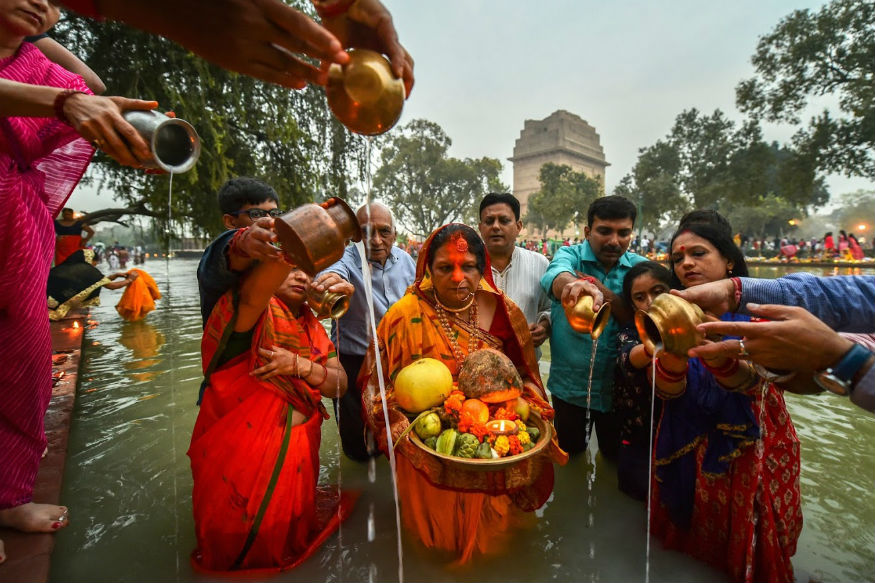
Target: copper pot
x=328 y=304
x=315 y=235
x=364 y=94
x=582 y=319
x=669 y=324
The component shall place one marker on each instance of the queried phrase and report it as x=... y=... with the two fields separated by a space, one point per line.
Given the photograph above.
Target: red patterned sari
x=461 y=511
x=41 y=161
x=717 y=495
x=255 y=498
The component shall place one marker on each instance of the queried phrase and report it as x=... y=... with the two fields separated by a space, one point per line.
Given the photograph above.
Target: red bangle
x=234 y=247
x=727 y=370
x=672 y=377
x=60 y=99
x=588 y=278
x=737 y=283
x=332 y=8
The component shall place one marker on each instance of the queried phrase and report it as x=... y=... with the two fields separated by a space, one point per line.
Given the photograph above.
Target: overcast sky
x=626 y=67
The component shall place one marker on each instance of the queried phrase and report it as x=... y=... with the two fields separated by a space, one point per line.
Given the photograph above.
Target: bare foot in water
x=32 y=517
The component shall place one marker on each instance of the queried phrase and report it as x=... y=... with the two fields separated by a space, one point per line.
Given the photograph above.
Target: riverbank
x=29 y=555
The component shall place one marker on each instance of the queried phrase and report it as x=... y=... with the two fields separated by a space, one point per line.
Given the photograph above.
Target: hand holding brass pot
x=364 y=94
x=328 y=304
x=669 y=324
x=583 y=319
x=315 y=235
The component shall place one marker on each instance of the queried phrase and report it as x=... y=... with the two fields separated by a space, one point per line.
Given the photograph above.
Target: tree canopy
x=564 y=197
x=706 y=161
x=424 y=186
x=811 y=55
x=247 y=128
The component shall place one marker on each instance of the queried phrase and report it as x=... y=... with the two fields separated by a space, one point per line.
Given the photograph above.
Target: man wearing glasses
x=391 y=272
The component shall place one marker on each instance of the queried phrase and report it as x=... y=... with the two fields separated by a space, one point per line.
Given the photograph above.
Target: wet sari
x=139 y=297
x=461 y=511
x=41 y=161
x=75 y=283
x=716 y=496
x=255 y=498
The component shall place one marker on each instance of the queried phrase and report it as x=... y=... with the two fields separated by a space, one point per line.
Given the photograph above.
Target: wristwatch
x=838 y=378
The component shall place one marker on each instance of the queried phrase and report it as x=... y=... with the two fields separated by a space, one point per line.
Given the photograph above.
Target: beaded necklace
x=445 y=324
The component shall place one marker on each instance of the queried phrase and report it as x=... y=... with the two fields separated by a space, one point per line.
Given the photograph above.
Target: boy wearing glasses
x=245 y=202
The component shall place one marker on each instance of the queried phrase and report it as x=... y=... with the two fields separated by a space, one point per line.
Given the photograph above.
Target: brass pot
x=364 y=94
x=582 y=319
x=669 y=324
x=315 y=235
x=328 y=304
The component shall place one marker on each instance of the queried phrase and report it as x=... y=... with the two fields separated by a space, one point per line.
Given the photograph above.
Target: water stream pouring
x=364 y=94
x=174 y=143
x=315 y=235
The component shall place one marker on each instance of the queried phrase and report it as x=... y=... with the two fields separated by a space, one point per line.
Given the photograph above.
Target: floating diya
x=502 y=427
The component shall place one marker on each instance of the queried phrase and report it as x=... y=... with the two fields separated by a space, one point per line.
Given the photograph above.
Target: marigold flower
x=502 y=445
x=514 y=444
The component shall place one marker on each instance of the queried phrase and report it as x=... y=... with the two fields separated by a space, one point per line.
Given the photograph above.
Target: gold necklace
x=454 y=310
x=445 y=324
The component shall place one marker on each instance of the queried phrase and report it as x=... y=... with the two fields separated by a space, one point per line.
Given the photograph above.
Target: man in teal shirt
x=602 y=260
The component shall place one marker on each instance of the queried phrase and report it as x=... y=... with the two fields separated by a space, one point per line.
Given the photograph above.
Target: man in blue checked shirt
x=391 y=272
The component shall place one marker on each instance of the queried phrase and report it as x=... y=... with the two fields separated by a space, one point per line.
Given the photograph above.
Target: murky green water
x=128 y=482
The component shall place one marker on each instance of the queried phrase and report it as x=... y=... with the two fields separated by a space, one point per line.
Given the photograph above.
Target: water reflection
x=128 y=482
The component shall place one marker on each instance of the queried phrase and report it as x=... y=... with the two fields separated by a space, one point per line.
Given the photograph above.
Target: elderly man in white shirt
x=516 y=271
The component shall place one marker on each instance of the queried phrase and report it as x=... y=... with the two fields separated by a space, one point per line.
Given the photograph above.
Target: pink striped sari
x=41 y=161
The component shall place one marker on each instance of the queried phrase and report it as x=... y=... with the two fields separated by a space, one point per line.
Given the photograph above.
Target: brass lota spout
x=669 y=324
x=328 y=304
x=582 y=319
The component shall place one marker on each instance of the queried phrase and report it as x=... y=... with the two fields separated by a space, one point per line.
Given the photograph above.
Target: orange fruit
x=478 y=410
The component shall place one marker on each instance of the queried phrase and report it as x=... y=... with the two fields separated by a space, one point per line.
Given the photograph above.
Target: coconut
x=490 y=376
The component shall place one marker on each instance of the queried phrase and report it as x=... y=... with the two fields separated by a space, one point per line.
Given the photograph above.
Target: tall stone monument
x=561 y=138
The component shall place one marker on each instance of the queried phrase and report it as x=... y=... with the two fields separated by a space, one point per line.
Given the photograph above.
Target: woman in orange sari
x=255 y=446
x=454 y=308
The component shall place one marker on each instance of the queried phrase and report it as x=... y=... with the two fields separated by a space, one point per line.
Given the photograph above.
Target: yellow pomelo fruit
x=423 y=384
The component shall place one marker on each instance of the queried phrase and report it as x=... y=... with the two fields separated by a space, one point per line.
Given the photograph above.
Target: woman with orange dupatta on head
x=255 y=446
x=454 y=308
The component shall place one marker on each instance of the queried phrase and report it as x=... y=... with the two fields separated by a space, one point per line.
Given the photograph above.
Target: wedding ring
x=97 y=143
x=742 y=351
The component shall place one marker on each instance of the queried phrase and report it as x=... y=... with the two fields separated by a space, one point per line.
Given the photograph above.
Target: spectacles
x=256 y=213
x=384 y=232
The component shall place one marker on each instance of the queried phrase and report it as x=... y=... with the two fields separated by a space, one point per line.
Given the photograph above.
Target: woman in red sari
x=255 y=446
x=42 y=158
x=726 y=459
x=454 y=308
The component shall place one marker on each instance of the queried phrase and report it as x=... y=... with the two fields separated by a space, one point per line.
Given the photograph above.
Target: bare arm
x=58 y=53
x=89 y=231
x=92 y=116
x=256 y=291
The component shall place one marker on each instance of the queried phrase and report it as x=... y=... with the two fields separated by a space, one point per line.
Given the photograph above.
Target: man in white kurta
x=516 y=271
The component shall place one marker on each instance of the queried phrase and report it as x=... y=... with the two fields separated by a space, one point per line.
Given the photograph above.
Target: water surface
x=128 y=481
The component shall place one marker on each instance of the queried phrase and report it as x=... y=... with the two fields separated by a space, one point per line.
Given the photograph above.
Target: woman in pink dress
x=47 y=110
